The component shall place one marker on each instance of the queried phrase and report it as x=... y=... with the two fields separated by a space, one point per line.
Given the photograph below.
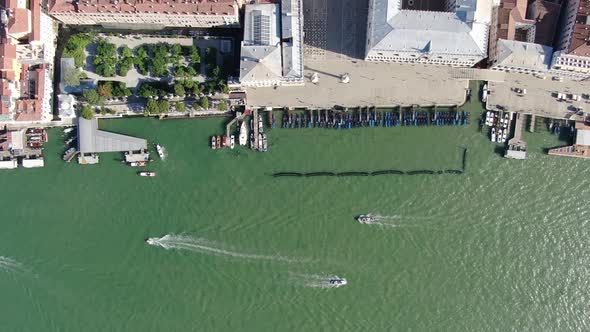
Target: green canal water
x=502 y=247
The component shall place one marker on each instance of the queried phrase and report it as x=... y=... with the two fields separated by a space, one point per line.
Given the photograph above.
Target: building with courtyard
x=150 y=14
x=272 y=49
x=454 y=32
x=26 y=65
x=522 y=34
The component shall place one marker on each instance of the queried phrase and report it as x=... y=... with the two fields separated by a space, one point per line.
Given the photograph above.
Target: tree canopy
x=86 y=112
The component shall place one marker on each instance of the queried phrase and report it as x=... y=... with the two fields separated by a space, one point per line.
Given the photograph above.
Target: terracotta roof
x=195 y=7
x=7 y=55
x=19 y=21
x=546 y=15
x=40 y=83
x=36 y=20
x=581 y=34
x=28 y=110
x=511 y=12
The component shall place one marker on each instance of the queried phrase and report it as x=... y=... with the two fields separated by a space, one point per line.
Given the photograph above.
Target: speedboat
x=499 y=135
x=243 y=139
x=337 y=281
x=488 y=113
x=232 y=141
x=160 y=151
x=213 y=142
x=147 y=173
x=493 y=134
x=219 y=142
x=366 y=219
x=504 y=135
x=506 y=120
x=152 y=241
x=264 y=143
x=137 y=163
x=260 y=141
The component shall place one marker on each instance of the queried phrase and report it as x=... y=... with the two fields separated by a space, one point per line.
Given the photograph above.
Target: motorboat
x=264 y=143
x=152 y=241
x=260 y=141
x=252 y=140
x=137 y=163
x=213 y=143
x=493 y=134
x=337 y=281
x=504 y=135
x=68 y=130
x=506 y=120
x=147 y=173
x=232 y=141
x=484 y=95
x=366 y=219
x=243 y=139
x=224 y=140
x=219 y=142
x=499 y=135
x=488 y=113
x=260 y=122
x=160 y=151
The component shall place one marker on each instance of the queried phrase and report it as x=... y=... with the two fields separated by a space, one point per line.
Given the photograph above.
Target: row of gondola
x=347 y=120
x=376 y=173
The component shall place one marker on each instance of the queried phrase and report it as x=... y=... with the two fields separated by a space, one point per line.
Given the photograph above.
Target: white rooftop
x=461 y=32
x=92 y=140
x=512 y=53
x=583 y=137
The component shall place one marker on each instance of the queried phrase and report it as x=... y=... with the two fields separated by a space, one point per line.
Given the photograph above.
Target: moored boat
x=147 y=173
x=213 y=143
x=243 y=139
x=160 y=151
x=137 y=163
x=224 y=141
x=493 y=134
x=260 y=141
x=218 y=142
x=232 y=141
x=264 y=143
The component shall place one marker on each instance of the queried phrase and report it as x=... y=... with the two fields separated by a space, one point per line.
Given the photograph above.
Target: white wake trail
x=316 y=280
x=10 y=265
x=184 y=242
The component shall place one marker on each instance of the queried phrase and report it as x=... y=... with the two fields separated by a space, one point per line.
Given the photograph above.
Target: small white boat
x=504 y=135
x=260 y=142
x=232 y=141
x=259 y=122
x=493 y=134
x=137 y=163
x=264 y=143
x=243 y=139
x=499 y=136
x=147 y=173
x=506 y=120
x=152 y=241
x=213 y=143
x=488 y=118
x=68 y=130
x=484 y=95
x=366 y=219
x=161 y=151
x=337 y=281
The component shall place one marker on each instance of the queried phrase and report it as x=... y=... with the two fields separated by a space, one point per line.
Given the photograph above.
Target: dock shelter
x=91 y=140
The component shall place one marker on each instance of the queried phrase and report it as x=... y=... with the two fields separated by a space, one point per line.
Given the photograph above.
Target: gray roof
x=512 y=53
x=292 y=27
x=92 y=140
x=583 y=137
x=425 y=31
x=260 y=63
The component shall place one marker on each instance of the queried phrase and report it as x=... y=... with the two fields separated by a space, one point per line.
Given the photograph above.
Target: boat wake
x=185 y=242
x=392 y=221
x=10 y=265
x=318 y=281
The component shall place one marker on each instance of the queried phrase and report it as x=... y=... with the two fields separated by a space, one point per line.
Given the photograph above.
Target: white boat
x=152 y=241
x=493 y=134
x=68 y=130
x=161 y=151
x=232 y=141
x=488 y=118
x=366 y=219
x=506 y=120
x=337 y=281
x=243 y=139
x=484 y=95
x=499 y=135
x=137 y=163
x=504 y=135
x=259 y=122
x=252 y=141
x=264 y=143
x=147 y=173
x=260 y=141
x=213 y=143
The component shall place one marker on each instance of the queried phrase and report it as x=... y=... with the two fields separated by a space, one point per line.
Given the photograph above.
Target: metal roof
x=512 y=53
x=92 y=140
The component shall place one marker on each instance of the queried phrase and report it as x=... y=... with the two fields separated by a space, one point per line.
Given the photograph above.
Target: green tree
x=179 y=71
x=164 y=106
x=86 y=112
x=105 y=90
x=92 y=97
x=152 y=107
x=180 y=107
x=204 y=103
x=216 y=72
x=191 y=71
x=126 y=52
x=194 y=55
x=196 y=89
x=222 y=106
x=75 y=48
x=176 y=49
x=179 y=89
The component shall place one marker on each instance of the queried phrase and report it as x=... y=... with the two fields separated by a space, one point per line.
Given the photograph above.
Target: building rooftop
x=92 y=140
x=460 y=32
x=512 y=53
x=179 y=7
x=580 y=44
